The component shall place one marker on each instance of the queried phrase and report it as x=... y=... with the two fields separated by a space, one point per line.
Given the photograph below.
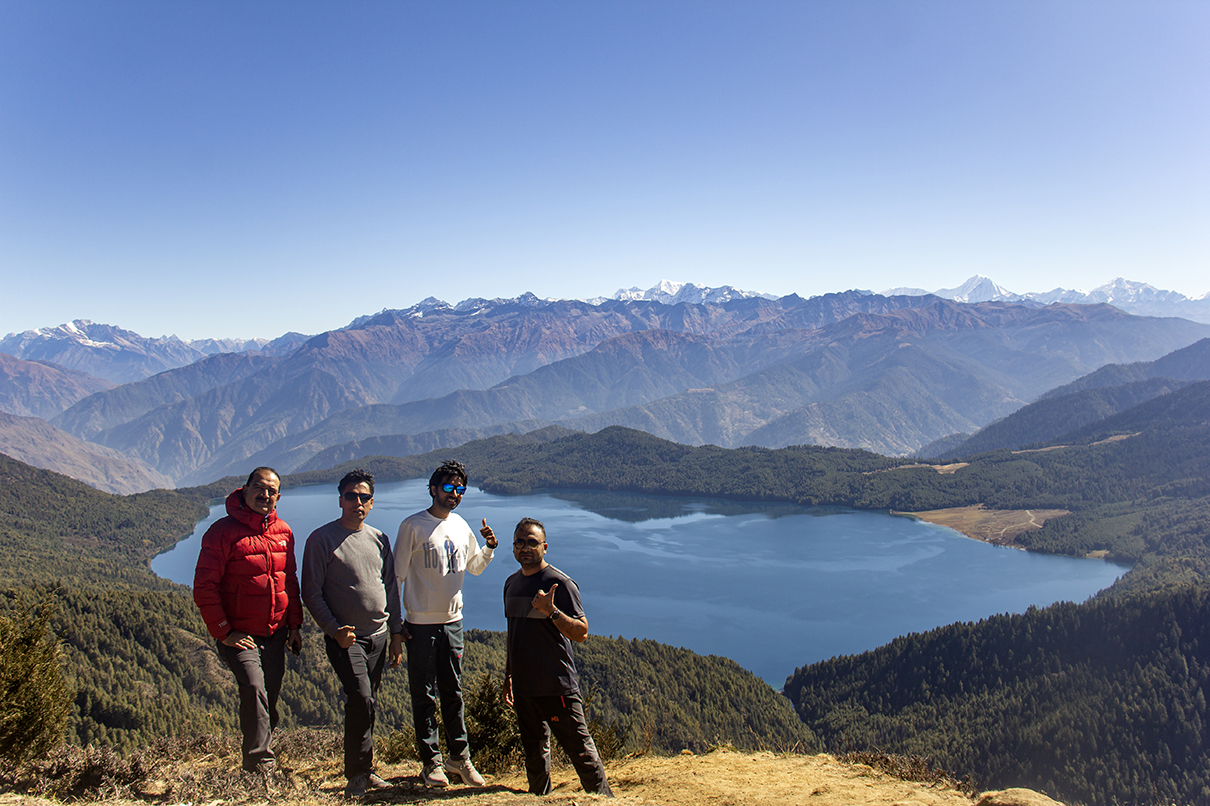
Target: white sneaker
x=465 y=770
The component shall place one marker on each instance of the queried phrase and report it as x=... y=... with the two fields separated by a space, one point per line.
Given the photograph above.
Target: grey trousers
x=258 y=673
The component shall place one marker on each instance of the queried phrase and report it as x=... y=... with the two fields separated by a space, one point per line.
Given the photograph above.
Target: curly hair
x=449 y=470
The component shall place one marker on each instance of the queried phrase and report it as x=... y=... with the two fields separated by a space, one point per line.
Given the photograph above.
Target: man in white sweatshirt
x=433 y=551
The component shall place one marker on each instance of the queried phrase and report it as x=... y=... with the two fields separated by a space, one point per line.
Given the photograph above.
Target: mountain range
x=1130 y=296
x=121 y=356
x=887 y=373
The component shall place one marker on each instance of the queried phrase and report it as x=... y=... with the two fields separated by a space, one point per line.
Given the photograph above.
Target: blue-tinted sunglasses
x=453 y=488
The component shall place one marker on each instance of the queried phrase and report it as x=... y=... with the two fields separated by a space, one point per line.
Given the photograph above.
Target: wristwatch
x=555 y=615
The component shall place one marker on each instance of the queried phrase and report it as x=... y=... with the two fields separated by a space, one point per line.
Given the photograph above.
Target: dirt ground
x=998 y=526
x=718 y=778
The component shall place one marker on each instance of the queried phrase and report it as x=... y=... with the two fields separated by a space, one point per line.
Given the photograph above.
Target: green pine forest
x=1099 y=702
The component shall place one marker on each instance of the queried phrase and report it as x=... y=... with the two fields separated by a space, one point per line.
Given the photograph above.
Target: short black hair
x=355 y=477
x=259 y=470
x=521 y=524
x=449 y=470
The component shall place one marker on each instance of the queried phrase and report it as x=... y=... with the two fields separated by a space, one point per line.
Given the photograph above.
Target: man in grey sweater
x=349 y=586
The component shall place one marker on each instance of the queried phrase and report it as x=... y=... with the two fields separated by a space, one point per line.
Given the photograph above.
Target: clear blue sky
x=248 y=168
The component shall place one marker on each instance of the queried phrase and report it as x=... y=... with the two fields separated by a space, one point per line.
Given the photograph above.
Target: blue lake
x=770 y=586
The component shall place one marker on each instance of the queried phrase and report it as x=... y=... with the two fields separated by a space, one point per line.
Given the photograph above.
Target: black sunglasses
x=528 y=543
x=353 y=497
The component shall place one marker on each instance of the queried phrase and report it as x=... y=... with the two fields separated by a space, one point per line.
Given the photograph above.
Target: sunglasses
x=353 y=497
x=529 y=543
x=453 y=488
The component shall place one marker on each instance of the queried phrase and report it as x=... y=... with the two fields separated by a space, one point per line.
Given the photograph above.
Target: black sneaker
x=356 y=787
x=433 y=775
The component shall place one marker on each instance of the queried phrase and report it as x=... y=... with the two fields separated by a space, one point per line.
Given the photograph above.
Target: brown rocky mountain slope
x=36 y=442
x=42 y=389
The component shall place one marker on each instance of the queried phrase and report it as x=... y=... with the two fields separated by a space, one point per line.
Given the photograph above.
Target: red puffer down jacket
x=246 y=579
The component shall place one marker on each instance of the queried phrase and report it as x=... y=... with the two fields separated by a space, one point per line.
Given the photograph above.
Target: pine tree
x=34 y=698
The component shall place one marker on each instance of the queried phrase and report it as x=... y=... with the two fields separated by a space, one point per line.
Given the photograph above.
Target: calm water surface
x=770 y=586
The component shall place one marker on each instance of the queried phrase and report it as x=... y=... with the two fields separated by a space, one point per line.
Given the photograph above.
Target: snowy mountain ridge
x=1131 y=296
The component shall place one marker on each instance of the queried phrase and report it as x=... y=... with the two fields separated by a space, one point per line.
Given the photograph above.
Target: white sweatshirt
x=431 y=558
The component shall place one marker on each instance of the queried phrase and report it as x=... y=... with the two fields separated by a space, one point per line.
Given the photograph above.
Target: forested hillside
x=1100 y=703
x=1190 y=363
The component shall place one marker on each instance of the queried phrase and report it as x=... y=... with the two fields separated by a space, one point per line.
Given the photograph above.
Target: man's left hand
x=545 y=602
x=396 y=651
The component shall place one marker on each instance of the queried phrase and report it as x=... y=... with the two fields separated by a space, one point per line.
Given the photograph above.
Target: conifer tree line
x=1099 y=703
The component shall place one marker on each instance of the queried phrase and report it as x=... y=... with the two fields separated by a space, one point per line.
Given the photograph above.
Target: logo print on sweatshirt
x=448 y=564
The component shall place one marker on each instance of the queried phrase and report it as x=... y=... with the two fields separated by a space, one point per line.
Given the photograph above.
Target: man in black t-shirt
x=542 y=605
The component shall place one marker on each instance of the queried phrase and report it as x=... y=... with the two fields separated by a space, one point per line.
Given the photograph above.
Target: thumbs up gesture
x=489 y=536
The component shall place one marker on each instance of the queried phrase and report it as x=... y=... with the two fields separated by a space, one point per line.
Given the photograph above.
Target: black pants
x=435 y=667
x=258 y=673
x=360 y=671
x=537 y=719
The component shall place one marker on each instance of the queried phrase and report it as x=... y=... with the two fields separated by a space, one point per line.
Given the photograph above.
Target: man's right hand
x=345 y=636
x=508 y=690
x=239 y=640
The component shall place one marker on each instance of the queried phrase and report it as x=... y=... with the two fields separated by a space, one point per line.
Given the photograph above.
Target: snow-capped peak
x=674 y=293
x=1129 y=295
x=978 y=289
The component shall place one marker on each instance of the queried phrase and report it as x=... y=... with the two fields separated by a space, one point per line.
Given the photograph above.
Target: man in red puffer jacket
x=246 y=587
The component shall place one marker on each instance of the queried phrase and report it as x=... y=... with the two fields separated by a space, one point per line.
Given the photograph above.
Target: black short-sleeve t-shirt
x=540 y=657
